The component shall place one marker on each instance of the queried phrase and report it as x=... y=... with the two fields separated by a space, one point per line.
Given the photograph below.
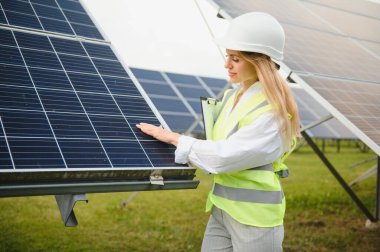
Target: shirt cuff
x=183 y=149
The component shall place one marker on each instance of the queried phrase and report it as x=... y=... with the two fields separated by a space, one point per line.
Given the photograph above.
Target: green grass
x=320 y=215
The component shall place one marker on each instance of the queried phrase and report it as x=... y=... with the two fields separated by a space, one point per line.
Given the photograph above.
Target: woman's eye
x=235 y=60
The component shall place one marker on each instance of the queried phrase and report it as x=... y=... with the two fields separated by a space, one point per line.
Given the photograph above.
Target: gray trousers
x=225 y=234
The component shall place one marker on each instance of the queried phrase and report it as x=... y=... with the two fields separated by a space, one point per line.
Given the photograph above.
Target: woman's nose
x=227 y=64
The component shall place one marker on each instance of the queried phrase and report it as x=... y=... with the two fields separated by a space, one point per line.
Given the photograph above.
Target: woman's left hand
x=159 y=133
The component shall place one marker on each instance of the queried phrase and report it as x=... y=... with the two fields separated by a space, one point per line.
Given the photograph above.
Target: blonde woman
x=251 y=137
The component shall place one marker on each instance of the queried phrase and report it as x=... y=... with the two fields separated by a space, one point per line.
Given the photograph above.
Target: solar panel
x=68 y=110
x=62 y=16
x=176 y=95
x=324 y=48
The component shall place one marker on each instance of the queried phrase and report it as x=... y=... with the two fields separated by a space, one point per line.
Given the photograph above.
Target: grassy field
x=320 y=215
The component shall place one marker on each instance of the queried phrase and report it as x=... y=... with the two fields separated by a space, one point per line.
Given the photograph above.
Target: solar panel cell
x=10 y=55
x=23 y=124
x=53 y=79
x=143 y=74
x=183 y=79
x=76 y=17
x=35 y=153
x=133 y=106
x=6 y=38
x=87 y=82
x=68 y=46
x=2 y=17
x=108 y=67
x=53 y=25
x=99 y=104
x=71 y=125
x=99 y=51
x=48 y=11
x=50 y=3
x=5 y=160
x=27 y=40
x=19 y=98
x=126 y=153
x=158 y=89
x=14 y=75
x=71 y=5
x=112 y=127
x=60 y=101
x=77 y=64
x=86 y=31
x=17 y=6
x=41 y=59
x=84 y=153
x=23 y=20
x=121 y=86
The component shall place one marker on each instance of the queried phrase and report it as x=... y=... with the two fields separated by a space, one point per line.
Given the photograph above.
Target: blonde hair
x=277 y=92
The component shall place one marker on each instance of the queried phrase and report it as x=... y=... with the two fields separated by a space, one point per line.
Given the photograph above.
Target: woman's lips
x=231 y=74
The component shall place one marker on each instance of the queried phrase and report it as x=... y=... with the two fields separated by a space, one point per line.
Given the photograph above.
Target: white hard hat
x=255 y=32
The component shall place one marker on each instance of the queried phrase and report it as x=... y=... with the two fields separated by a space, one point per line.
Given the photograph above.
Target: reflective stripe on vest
x=248 y=195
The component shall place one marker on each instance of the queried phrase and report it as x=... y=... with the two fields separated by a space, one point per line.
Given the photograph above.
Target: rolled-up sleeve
x=254 y=145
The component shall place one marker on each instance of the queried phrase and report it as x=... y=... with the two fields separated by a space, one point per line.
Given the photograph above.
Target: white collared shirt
x=254 y=145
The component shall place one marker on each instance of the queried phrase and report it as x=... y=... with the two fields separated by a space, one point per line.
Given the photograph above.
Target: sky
x=165 y=35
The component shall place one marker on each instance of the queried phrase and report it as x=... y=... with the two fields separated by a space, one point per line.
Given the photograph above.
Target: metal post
x=343 y=183
x=66 y=205
x=378 y=190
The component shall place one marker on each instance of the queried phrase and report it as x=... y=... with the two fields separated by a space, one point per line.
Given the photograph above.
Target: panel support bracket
x=66 y=205
x=343 y=183
x=156 y=180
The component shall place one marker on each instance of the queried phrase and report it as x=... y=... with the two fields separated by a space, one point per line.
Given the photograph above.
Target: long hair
x=277 y=92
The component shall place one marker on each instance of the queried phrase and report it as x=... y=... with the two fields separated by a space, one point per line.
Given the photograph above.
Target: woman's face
x=239 y=70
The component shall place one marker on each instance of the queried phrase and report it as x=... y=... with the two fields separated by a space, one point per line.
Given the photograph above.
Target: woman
x=251 y=137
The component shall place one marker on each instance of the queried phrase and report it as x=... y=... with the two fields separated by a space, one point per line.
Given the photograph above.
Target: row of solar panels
x=176 y=96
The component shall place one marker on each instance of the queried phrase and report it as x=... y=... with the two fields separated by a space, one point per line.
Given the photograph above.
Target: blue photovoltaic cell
x=19 y=98
x=87 y=82
x=78 y=18
x=27 y=40
x=2 y=17
x=132 y=106
x=192 y=92
x=68 y=46
x=83 y=153
x=23 y=20
x=25 y=124
x=31 y=153
x=143 y=74
x=99 y=51
x=158 y=89
x=184 y=79
x=112 y=127
x=14 y=75
x=6 y=38
x=45 y=78
x=56 y=25
x=51 y=3
x=5 y=160
x=121 y=86
x=77 y=64
x=17 y=6
x=99 y=104
x=60 y=101
x=86 y=31
x=214 y=83
x=49 y=12
x=35 y=58
x=71 y=125
x=172 y=105
x=126 y=153
x=71 y=5
x=108 y=67
x=10 y=55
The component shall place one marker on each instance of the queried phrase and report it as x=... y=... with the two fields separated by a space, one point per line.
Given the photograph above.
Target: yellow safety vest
x=252 y=196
